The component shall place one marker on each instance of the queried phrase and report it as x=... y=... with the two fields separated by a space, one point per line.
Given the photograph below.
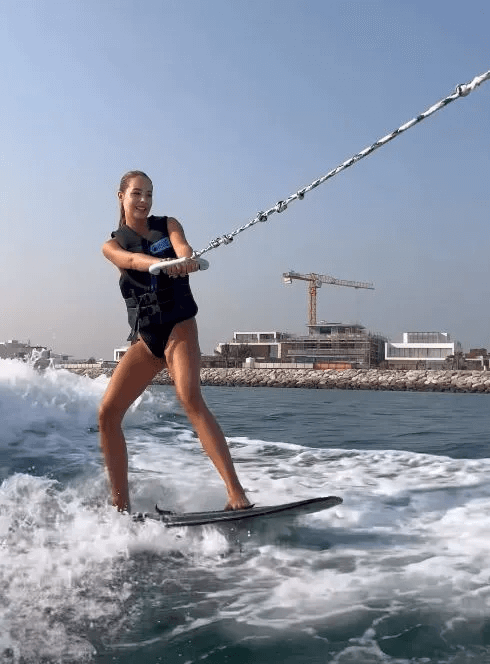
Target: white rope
x=461 y=91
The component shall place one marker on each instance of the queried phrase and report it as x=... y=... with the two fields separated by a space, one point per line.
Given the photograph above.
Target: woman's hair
x=123 y=185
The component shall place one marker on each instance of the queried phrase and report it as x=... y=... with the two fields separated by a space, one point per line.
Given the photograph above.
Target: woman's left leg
x=184 y=362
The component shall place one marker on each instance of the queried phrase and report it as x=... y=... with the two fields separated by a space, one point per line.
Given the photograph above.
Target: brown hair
x=123 y=185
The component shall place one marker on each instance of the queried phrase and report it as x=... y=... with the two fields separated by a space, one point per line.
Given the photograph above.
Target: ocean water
x=400 y=572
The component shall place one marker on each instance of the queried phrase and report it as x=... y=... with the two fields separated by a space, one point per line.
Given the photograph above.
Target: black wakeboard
x=295 y=509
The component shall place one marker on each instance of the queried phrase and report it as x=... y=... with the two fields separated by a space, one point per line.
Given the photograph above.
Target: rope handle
x=156 y=267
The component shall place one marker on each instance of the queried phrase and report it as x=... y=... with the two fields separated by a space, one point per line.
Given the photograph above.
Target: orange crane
x=314 y=283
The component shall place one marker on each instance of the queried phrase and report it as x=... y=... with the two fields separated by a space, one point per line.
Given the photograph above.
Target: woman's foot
x=121 y=503
x=239 y=502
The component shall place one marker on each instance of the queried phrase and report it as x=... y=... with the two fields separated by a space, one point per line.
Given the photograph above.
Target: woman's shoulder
x=173 y=224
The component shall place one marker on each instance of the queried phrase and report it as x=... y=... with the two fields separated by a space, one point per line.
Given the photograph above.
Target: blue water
x=399 y=573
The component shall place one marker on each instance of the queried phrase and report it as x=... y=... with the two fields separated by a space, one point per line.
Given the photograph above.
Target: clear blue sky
x=231 y=106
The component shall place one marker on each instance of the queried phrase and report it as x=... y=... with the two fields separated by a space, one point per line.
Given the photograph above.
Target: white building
x=119 y=352
x=265 y=345
x=427 y=349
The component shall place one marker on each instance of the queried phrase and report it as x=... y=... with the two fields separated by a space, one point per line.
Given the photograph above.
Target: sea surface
x=400 y=572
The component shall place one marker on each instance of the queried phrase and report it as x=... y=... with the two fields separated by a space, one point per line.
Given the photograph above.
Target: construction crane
x=314 y=283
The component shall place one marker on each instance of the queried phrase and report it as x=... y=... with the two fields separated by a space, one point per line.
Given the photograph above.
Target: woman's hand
x=182 y=269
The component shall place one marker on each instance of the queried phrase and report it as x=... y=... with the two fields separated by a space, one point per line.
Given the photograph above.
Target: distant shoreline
x=350 y=379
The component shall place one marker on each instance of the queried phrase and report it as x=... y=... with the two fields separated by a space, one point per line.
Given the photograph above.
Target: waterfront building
x=421 y=350
x=13 y=348
x=119 y=352
x=38 y=355
x=265 y=346
x=477 y=358
x=327 y=346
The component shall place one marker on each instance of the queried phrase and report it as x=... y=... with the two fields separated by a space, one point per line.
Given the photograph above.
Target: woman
x=161 y=312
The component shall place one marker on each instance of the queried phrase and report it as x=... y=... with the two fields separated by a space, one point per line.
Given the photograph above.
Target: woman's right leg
x=133 y=374
x=184 y=360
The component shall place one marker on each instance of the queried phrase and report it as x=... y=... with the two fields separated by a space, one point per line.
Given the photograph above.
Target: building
x=39 y=356
x=340 y=343
x=328 y=345
x=119 y=352
x=265 y=346
x=421 y=350
x=18 y=349
x=477 y=358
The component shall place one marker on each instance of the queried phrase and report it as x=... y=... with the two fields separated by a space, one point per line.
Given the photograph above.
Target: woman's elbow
x=108 y=252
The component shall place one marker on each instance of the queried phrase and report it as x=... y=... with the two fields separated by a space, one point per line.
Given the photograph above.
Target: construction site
x=326 y=346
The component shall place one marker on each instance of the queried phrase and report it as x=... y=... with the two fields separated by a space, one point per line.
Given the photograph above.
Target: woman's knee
x=190 y=399
x=109 y=415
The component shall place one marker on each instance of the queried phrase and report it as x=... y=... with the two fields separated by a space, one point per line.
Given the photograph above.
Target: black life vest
x=153 y=299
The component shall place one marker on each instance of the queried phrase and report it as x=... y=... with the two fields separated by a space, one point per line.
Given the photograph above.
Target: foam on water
x=400 y=571
x=63 y=567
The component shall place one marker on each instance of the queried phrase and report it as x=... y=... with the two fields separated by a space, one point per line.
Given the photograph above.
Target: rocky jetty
x=351 y=379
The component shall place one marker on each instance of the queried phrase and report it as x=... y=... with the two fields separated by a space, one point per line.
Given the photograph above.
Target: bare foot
x=121 y=504
x=238 y=503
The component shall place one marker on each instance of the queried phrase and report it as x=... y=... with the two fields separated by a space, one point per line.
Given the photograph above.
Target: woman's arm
x=182 y=248
x=127 y=260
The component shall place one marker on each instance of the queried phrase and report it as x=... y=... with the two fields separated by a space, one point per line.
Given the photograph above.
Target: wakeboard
x=295 y=509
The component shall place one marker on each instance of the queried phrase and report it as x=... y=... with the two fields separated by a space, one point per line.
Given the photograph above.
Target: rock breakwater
x=350 y=379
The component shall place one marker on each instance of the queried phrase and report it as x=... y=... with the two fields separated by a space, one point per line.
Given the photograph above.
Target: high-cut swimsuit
x=155 y=303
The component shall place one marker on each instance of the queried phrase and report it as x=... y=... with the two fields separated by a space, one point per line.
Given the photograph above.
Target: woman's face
x=137 y=199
